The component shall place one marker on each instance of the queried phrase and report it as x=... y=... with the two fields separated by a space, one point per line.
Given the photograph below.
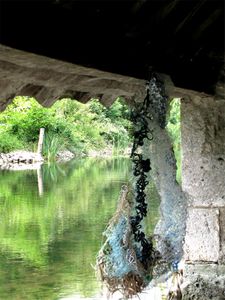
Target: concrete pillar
x=203 y=180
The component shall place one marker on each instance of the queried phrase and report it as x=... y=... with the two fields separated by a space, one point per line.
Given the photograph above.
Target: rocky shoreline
x=25 y=157
x=27 y=160
x=20 y=160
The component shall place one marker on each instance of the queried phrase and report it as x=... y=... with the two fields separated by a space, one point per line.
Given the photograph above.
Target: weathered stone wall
x=203 y=180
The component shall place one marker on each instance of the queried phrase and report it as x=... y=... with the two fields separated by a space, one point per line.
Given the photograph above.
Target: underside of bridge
x=184 y=39
x=81 y=49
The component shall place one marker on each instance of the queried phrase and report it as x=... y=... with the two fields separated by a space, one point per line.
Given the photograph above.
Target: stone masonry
x=203 y=180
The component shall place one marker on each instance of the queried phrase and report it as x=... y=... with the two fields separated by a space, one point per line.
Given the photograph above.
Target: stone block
x=203 y=282
x=202 y=241
x=203 y=148
x=205 y=181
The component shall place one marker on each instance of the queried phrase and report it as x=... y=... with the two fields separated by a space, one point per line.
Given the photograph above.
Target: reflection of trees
x=52 y=240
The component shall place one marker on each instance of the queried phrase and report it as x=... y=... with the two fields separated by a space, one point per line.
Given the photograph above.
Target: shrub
x=52 y=145
x=9 y=142
x=68 y=123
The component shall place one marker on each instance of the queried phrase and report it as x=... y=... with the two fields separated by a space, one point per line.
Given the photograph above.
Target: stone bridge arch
x=203 y=147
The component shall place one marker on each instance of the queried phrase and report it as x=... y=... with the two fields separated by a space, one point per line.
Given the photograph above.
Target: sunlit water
x=50 y=235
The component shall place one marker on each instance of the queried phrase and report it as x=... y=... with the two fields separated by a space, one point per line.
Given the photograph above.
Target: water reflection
x=49 y=242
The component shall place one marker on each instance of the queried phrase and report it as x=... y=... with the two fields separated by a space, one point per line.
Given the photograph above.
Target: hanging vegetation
x=126 y=260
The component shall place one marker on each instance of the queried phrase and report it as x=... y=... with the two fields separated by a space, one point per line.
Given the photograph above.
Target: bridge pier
x=203 y=181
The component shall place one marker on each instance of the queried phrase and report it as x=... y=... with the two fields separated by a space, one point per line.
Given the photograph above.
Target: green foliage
x=52 y=145
x=97 y=108
x=77 y=127
x=8 y=141
x=81 y=126
x=68 y=124
x=25 y=117
x=115 y=123
x=173 y=127
x=119 y=113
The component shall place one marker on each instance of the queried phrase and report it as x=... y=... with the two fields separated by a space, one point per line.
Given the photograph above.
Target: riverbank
x=17 y=157
x=20 y=160
x=109 y=152
x=27 y=160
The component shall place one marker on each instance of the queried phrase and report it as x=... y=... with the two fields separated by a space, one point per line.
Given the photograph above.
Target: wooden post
x=40 y=141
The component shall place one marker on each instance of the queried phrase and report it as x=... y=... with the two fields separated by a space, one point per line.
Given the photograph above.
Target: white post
x=40 y=141
x=40 y=181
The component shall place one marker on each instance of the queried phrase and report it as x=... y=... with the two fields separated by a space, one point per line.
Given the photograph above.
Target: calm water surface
x=51 y=227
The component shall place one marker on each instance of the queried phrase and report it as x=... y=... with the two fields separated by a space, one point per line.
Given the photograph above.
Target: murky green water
x=49 y=235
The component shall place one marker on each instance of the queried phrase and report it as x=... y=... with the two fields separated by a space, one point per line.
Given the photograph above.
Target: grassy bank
x=69 y=125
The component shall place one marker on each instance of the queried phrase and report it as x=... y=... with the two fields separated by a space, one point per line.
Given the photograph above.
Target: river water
x=51 y=225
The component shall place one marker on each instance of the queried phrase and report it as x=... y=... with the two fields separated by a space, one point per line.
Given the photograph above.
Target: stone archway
x=203 y=145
